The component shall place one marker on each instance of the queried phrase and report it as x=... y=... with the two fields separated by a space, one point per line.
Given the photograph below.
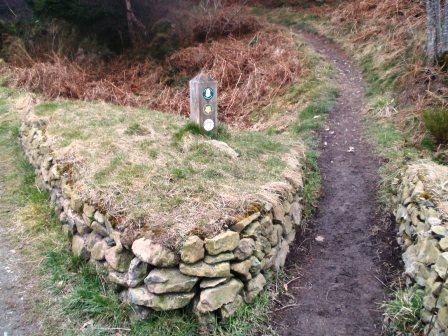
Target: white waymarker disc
x=209 y=125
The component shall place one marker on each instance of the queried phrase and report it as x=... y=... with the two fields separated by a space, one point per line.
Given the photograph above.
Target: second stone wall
x=422 y=218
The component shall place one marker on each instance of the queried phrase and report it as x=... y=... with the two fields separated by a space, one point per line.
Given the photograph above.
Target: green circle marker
x=208 y=93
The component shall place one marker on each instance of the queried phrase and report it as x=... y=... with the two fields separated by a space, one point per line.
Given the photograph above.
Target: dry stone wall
x=212 y=275
x=422 y=218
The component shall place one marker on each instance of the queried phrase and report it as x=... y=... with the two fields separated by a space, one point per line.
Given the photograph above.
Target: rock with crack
x=202 y=269
x=169 y=280
x=209 y=283
x=143 y=297
x=226 y=256
x=212 y=299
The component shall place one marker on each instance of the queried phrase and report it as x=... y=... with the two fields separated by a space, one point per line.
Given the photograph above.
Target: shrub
x=436 y=122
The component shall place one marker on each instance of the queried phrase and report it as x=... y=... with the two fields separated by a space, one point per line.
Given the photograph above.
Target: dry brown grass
x=252 y=65
x=393 y=33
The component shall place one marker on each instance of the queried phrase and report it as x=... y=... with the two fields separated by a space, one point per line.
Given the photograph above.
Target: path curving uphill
x=337 y=290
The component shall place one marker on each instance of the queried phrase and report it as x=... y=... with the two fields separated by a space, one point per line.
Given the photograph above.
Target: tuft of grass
x=402 y=312
x=47 y=108
x=312 y=183
x=221 y=133
x=136 y=129
x=436 y=122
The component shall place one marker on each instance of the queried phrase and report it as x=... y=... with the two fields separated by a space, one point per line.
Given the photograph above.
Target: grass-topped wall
x=176 y=217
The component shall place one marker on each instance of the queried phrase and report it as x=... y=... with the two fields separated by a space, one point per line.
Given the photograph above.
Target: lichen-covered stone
x=202 y=269
x=280 y=258
x=99 y=228
x=136 y=272
x=443 y=244
x=439 y=231
x=91 y=239
x=76 y=203
x=254 y=287
x=231 y=308
x=169 y=280
x=154 y=253
x=118 y=259
x=99 y=250
x=79 y=248
x=287 y=225
x=88 y=210
x=427 y=251
x=212 y=299
x=441 y=266
x=81 y=227
x=226 y=256
x=242 y=268
x=266 y=225
x=117 y=278
x=253 y=230
x=192 y=250
x=245 y=249
x=442 y=317
x=99 y=217
x=290 y=237
x=209 y=283
x=241 y=225
x=278 y=211
x=276 y=235
x=255 y=266
x=161 y=302
x=226 y=241
x=262 y=247
x=296 y=213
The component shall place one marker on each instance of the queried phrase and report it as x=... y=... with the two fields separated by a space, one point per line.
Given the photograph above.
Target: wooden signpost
x=203 y=102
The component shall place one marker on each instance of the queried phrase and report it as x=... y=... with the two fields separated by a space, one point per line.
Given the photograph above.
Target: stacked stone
x=423 y=234
x=211 y=275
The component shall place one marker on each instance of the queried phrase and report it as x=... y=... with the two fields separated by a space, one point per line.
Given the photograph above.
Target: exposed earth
x=337 y=286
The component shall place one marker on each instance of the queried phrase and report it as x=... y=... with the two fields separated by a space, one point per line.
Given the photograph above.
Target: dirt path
x=337 y=291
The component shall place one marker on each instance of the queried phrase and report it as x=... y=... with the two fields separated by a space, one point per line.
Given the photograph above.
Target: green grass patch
x=436 y=122
x=402 y=312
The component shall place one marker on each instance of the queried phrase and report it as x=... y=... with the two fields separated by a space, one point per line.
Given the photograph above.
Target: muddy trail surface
x=337 y=286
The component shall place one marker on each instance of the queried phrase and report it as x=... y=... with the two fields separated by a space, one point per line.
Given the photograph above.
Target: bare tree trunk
x=433 y=30
x=444 y=37
x=134 y=24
